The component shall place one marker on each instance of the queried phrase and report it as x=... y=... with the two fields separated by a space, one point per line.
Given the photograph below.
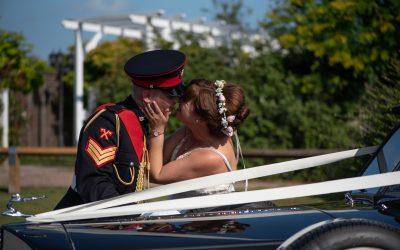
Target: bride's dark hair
x=202 y=93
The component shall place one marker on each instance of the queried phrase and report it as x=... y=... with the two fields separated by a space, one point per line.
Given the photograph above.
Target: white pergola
x=142 y=26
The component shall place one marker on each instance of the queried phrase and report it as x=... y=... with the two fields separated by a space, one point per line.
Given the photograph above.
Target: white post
x=149 y=35
x=4 y=117
x=78 y=90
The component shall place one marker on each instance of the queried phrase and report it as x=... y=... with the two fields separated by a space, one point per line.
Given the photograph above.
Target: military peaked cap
x=159 y=69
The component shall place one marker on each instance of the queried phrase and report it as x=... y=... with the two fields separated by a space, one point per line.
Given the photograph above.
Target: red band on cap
x=158 y=83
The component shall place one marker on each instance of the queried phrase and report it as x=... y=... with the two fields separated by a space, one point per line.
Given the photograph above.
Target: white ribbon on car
x=106 y=208
x=371 y=181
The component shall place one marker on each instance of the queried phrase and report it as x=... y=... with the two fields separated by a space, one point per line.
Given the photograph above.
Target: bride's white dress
x=218 y=189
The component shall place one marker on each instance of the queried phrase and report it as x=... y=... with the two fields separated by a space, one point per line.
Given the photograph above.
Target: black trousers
x=71 y=198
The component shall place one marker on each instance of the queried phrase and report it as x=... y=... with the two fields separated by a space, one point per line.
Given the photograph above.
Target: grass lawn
x=54 y=194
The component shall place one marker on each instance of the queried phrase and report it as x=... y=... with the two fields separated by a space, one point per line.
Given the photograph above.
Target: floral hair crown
x=226 y=129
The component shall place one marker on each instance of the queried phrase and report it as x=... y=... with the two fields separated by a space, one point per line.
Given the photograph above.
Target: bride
x=211 y=113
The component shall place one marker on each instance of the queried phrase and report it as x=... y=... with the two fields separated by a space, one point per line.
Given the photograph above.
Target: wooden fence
x=13 y=153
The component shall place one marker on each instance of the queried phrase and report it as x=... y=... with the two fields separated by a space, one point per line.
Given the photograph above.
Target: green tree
x=104 y=68
x=230 y=12
x=282 y=116
x=20 y=73
x=375 y=108
x=331 y=50
x=336 y=46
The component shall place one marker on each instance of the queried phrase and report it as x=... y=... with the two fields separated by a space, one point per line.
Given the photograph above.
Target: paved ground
x=34 y=176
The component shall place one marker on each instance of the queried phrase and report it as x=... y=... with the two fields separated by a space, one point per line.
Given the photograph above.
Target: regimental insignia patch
x=99 y=155
x=105 y=133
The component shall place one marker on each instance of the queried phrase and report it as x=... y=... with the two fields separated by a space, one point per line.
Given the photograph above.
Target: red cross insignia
x=105 y=133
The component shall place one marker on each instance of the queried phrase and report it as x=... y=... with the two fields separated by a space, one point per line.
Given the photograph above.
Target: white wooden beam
x=93 y=42
x=70 y=24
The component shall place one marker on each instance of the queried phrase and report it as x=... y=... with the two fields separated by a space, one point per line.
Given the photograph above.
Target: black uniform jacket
x=106 y=167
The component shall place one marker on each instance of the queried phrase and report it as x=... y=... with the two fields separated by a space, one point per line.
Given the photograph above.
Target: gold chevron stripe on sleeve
x=99 y=155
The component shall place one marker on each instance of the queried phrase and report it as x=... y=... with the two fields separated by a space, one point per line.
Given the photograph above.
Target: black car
x=369 y=216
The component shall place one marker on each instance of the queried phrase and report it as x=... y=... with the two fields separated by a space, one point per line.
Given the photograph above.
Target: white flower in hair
x=231 y=118
x=229 y=131
x=224 y=122
x=226 y=129
x=220 y=84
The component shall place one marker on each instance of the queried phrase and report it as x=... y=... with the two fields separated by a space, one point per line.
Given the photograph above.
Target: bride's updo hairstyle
x=223 y=115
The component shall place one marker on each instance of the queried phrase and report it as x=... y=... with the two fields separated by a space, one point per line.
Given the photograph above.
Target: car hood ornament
x=11 y=211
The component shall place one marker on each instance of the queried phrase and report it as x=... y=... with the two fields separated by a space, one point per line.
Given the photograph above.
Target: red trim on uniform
x=158 y=83
x=134 y=129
